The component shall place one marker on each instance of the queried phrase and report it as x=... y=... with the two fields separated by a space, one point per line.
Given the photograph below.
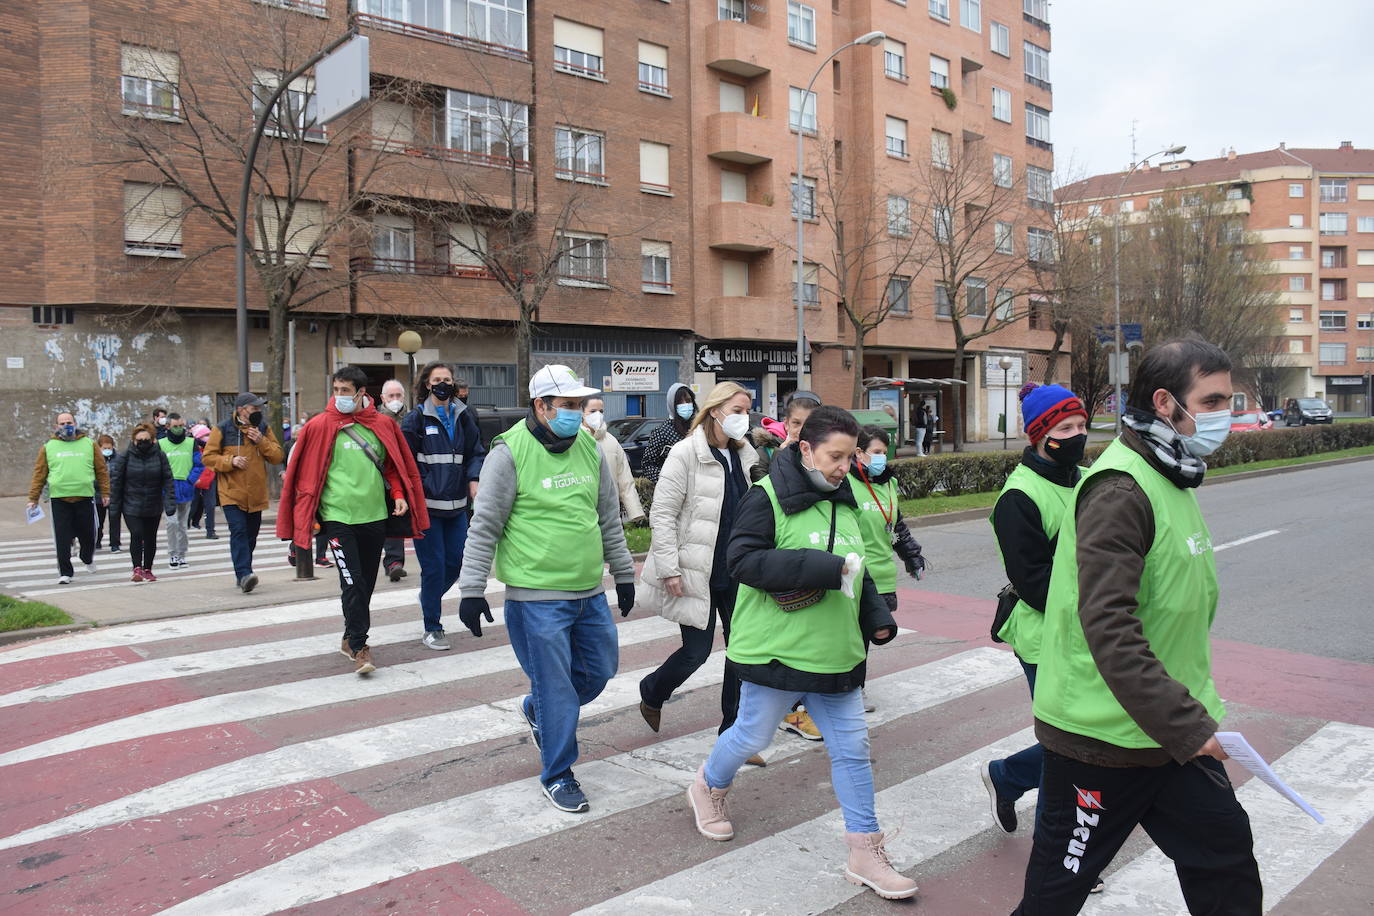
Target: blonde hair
x=719 y=396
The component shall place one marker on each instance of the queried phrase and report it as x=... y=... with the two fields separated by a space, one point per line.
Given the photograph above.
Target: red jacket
x=309 y=464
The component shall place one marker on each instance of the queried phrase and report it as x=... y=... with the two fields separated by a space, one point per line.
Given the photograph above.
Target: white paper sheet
x=35 y=514
x=1241 y=752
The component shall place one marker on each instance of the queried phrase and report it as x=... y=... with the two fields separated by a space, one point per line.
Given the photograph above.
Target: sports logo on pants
x=1087 y=799
x=337 y=549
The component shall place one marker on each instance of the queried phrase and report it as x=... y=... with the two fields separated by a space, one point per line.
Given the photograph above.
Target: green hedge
x=980 y=472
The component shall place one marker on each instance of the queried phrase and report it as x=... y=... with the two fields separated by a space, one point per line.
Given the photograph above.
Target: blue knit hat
x=1043 y=406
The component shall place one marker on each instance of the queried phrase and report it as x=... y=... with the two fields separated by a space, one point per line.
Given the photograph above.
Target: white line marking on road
x=1245 y=540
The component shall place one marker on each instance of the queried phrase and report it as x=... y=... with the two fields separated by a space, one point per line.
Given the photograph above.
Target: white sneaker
x=90 y=567
x=64 y=580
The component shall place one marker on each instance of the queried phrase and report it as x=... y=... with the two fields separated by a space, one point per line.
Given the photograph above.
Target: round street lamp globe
x=1006 y=363
x=408 y=341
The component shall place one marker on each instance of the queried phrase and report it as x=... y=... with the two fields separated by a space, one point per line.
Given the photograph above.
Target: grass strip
x=21 y=615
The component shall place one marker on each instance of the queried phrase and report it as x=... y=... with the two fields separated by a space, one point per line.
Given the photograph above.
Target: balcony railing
x=656 y=286
x=448 y=38
x=370 y=264
x=649 y=187
x=569 y=174
x=300 y=6
x=442 y=153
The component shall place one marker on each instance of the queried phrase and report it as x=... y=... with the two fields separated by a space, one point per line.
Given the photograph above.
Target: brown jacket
x=1115 y=527
x=242 y=487
x=40 y=474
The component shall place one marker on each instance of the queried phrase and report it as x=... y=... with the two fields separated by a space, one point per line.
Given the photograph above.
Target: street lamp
x=1117 y=348
x=410 y=343
x=872 y=39
x=1006 y=362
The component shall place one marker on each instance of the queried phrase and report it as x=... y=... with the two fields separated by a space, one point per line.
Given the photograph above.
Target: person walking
x=767 y=441
x=1026 y=520
x=106 y=444
x=919 y=421
x=239 y=451
x=351 y=468
x=159 y=420
x=549 y=521
x=1125 y=703
x=806 y=607
x=682 y=406
x=613 y=454
x=686 y=579
x=203 y=503
x=73 y=469
x=185 y=460
x=393 y=405
x=144 y=491
x=443 y=437
x=932 y=424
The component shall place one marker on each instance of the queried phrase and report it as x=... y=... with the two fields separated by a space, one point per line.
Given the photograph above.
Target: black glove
x=471 y=610
x=910 y=551
x=625 y=597
x=915 y=566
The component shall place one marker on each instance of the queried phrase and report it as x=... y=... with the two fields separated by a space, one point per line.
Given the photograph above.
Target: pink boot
x=869 y=865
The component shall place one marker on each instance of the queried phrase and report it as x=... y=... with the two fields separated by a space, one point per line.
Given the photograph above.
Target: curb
x=9 y=637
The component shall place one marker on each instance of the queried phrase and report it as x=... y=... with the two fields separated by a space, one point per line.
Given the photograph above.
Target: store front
x=1348 y=395
x=767 y=372
x=633 y=369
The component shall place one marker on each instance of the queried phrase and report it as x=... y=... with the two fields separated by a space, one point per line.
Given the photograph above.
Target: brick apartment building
x=670 y=125
x=1313 y=211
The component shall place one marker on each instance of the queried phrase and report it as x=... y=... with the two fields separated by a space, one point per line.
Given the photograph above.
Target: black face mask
x=255 y=418
x=442 y=391
x=143 y=448
x=1066 y=452
x=176 y=433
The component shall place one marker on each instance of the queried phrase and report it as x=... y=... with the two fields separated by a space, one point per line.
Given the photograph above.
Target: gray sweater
x=492 y=508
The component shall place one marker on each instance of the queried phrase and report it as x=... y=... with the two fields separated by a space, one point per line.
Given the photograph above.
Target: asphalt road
x=1303 y=584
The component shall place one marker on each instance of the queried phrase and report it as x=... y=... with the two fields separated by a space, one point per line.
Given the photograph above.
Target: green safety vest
x=71 y=467
x=821 y=639
x=552 y=538
x=180 y=456
x=1176 y=603
x=1022 y=629
x=877 y=514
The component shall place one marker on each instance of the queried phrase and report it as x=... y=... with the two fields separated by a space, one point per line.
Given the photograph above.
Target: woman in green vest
x=805 y=607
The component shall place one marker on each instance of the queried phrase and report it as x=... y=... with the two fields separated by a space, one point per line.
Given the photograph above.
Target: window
x=898 y=216
x=1191 y=200
x=1156 y=203
x=1002 y=237
x=943 y=308
x=1297 y=284
x=1001 y=170
x=1037 y=12
x=579 y=155
x=577 y=49
x=1364 y=192
x=292 y=232
x=1037 y=126
x=1041 y=317
x=835 y=75
x=393 y=243
x=1295 y=346
x=1296 y=252
x=393 y=125
x=467 y=250
x=653 y=168
x=731 y=97
x=1333 y=257
x=490 y=131
x=1332 y=223
x=1039 y=184
x=801 y=24
x=1364 y=223
x=53 y=314
x=732 y=10
x=940 y=149
x=943 y=222
x=653 y=68
x=1094 y=211
x=657 y=266
x=896 y=137
x=940 y=9
x=1235 y=193
x=1364 y=322
x=1363 y=290
x=1040 y=245
x=1364 y=258
x=804 y=198
x=582 y=259
x=810 y=288
x=801 y=110
x=894 y=59
x=1333 y=190
x=1126 y=206
x=1295 y=221
x=971 y=14
x=1331 y=354
x=1000 y=37
x=496 y=26
x=149 y=82
x=152 y=220
x=1295 y=189
x=1331 y=321
x=1005 y=305
x=1297 y=316
x=295 y=114
x=1362 y=354
x=939 y=72
x=839 y=156
x=734 y=186
x=734 y=278
x=898 y=296
x=976 y=297
x=1333 y=290
x=1001 y=104
x=1037 y=61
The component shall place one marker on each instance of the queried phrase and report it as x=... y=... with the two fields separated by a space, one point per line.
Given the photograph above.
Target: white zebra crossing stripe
x=458 y=829
x=1333 y=769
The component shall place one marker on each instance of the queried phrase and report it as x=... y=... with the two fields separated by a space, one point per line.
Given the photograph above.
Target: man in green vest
x=182 y=455
x=549 y=520
x=1125 y=706
x=73 y=469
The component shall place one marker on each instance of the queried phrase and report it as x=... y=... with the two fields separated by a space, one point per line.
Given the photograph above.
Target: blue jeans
x=569 y=650
x=839 y=716
x=440 y=553
x=243 y=538
x=1019 y=773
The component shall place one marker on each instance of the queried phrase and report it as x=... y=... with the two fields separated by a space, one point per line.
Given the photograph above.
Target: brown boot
x=651 y=715
x=362 y=659
x=869 y=865
x=708 y=808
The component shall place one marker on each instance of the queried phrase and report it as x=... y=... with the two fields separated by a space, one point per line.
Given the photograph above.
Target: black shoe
x=1003 y=809
x=534 y=732
x=212 y=537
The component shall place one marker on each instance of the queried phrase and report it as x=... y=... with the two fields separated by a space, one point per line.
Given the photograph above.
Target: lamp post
x=410 y=343
x=871 y=39
x=1117 y=347
x=1005 y=363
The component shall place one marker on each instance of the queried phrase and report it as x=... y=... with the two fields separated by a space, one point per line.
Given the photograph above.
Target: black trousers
x=142 y=539
x=658 y=686
x=357 y=553
x=74 y=519
x=395 y=551
x=1189 y=810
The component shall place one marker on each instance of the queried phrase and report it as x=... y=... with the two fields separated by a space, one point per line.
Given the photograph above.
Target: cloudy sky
x=1209 y=74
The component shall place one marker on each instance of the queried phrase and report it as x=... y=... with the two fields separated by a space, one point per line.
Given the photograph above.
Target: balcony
x=1235 y=205
x=409 y=169
x=734 y=47
x=368 y=264
x=738 y=226
x=738 y=137
x=752 y=318
x=413 y=30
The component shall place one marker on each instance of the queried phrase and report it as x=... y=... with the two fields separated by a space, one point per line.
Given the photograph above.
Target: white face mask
x=395 y=406
x=1212 y=428
x=735 y=426
x=594 y=419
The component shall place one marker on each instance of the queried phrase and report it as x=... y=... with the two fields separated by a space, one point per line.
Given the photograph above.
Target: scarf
x=1180 y=468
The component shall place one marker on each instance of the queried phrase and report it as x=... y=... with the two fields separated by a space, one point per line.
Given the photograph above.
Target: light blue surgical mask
x=566 y=423
x=1212 y=429
x=877 y=464
x=686 y=411
x=345 y=403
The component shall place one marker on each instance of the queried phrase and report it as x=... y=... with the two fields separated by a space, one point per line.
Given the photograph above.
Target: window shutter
x=307 y=221
x=731 y=97
x=393 y=122
x=577 y=37
x=653 y=163
x=474 y=237
x=152 y=215
x=651 y=249
x=734 y=278
x=896 y=129
x=894 y=47
x=145 y=63
x=653 y=55
x=734 y=186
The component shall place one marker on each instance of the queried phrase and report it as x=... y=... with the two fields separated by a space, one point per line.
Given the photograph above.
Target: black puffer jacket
x=142 y=484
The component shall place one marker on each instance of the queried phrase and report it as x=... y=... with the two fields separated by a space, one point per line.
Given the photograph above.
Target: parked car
x=1303 y=411
x=1249 y=420
x=493 y=421
x=633 y=434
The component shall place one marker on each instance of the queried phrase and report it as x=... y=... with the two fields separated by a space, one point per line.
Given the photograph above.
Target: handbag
x=1007 y=599
x=206 y=479
x=801 y=598
x=396 y=526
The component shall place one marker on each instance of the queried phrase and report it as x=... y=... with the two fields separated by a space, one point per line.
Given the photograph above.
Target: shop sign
x=1345 y=380
x=747 y=360
x=634 y=375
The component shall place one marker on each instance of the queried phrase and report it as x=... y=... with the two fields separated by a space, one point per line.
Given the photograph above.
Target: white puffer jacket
x=685 y=516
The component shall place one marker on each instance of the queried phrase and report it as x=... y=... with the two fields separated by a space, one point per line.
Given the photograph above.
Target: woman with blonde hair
x=685 y=578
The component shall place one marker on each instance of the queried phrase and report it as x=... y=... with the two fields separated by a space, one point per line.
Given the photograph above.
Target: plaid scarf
x=1181 y=468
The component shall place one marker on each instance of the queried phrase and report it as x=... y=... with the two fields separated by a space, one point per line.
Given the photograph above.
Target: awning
x=882 y=381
